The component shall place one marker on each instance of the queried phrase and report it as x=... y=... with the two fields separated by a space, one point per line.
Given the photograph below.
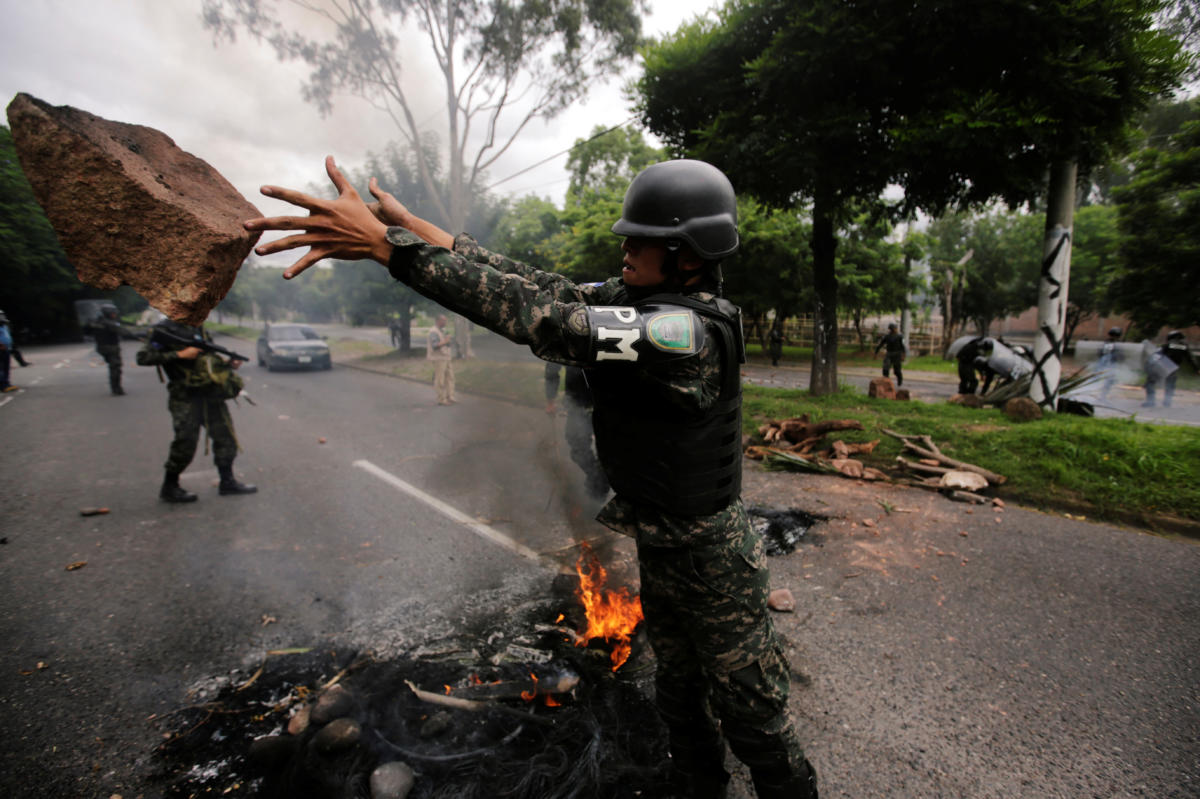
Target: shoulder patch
x=671 y=331
x=577 y=321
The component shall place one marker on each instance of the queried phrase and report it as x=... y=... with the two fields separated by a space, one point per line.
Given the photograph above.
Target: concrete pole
x=1052 y=287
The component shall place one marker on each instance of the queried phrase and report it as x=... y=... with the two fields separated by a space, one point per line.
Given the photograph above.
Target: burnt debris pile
x=517 y=709
x=782 y=529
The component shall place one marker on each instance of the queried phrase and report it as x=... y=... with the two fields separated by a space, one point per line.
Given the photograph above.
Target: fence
x=923 y=338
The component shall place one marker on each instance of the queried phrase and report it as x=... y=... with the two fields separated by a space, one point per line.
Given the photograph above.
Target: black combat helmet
x=685 y=200
x=1115 y=332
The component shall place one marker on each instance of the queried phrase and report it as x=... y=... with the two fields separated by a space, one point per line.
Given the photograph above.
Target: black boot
x=118 y=391
x=801 y=786
x=171 y=491
x=229 y=484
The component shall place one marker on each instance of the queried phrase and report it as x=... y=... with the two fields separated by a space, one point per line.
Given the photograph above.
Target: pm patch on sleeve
x=644 y=333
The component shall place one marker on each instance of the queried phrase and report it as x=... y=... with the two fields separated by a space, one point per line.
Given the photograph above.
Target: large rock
x=132 y=208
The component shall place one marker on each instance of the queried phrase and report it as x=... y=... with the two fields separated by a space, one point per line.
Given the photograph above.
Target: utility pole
x=1052 y=287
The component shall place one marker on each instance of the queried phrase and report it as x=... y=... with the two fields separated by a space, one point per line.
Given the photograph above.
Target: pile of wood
x=799 y=443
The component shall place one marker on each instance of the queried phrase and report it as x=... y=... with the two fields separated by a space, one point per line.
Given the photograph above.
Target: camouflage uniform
x=703 y=579
x=190 y=409
x=108 y=334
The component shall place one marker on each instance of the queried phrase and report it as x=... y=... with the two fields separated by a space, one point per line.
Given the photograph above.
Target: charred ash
x=516 y=708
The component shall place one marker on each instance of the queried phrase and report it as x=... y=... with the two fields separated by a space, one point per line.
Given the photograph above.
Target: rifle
x=197 y=341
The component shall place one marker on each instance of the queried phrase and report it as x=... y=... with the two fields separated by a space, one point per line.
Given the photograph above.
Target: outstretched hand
x=343 y=228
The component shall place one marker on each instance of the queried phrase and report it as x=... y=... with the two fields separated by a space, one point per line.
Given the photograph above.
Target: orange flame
x=611 y=615
x=529 y=695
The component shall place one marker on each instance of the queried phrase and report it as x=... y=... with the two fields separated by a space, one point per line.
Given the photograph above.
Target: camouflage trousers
x=718 y=658
x=188 y=415
x=112 y=356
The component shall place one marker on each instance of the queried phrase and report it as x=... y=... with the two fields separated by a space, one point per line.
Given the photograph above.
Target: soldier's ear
x=688 y=260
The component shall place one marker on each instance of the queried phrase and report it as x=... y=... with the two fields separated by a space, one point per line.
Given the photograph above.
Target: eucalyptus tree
x=502 y=64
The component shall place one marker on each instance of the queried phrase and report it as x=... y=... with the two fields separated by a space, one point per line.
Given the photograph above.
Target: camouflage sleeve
x=689 y=384
x=151 y=355
x=544 y=311
x=558 y=285
x=539 y=309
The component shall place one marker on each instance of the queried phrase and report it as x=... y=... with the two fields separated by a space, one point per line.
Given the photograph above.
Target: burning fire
x=611 y=615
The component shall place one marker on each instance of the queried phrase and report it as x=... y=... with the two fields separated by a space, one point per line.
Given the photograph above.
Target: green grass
x=1116 y=466
x=849 y=356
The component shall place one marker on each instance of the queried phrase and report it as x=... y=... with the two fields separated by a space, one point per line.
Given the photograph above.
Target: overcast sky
x=151 y=62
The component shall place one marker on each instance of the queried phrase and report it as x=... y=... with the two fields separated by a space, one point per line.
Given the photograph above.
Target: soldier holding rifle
x=199 y=382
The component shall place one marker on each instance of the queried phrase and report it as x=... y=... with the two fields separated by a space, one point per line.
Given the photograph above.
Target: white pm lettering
x=624 y=339
x=624 y=314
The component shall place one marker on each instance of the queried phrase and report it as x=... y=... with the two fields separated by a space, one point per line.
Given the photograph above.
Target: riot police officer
x=661 y=350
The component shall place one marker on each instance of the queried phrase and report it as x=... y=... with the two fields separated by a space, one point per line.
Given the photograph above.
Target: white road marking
x=5 y=401
x=481 y=529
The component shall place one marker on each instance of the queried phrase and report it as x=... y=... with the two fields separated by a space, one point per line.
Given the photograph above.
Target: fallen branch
x=472 y=705
x=916 y=466
x=930 y=450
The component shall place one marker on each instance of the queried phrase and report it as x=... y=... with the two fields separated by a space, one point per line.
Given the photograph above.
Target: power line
x=561 y=152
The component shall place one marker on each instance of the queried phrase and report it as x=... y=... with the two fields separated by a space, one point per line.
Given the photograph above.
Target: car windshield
x=292 y=334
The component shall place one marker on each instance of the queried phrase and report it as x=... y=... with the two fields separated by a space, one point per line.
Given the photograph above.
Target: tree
x=1158 y=216
x=609 y=159
x=1000 y=279
x=772 y=269
x=871 y=272
x=1093 y=257
x=526 y=230
x=39 y=283
x=955 y=103
x=503 y=64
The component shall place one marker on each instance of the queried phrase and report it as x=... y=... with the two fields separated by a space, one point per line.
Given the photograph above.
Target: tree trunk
x=1052 y=287
x=823 y=377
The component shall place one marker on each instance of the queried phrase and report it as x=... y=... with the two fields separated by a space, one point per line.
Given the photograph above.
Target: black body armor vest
x=687 y=465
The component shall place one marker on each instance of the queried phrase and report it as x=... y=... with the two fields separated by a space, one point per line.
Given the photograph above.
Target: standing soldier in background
x=438 y=349
x=108 y=332
x=198 y=383
x=578 y=399
x=894 y=350
x=662 y=351
x=775 y=342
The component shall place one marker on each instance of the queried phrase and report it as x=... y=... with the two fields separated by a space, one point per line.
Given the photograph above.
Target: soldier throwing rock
x=661 y=351
x=198 y=383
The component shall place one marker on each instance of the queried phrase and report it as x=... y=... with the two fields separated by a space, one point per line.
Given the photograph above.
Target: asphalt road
x=334 y=547
x=1034 y=655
